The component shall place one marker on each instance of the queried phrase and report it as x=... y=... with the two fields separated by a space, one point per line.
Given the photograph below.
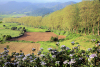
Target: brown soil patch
x=38 y=36
x=25 y=47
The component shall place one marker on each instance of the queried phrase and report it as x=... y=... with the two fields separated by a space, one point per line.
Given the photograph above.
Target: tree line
x=83 y=17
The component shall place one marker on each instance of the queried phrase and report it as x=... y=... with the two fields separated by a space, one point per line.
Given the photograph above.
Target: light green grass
x=7 y=24
x=28 y=29
x=11 y=15
x=31 y=29
x=83 y=41
x=59 y=32
x=9 y=32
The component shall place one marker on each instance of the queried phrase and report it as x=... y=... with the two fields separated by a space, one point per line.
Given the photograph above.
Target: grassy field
x=11 y=15
x=28 y=29
x=9 y=32
x=84 y=40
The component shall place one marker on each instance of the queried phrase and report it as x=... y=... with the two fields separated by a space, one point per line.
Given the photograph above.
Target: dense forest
x=83 y=17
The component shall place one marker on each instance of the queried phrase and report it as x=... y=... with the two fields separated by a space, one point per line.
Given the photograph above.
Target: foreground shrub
x=95 y=41
x=54 y=39
x=7 y=47
x=53 y=58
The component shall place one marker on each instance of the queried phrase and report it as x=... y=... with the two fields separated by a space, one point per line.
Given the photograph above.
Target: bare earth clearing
x=25 y=47
x=38 y=36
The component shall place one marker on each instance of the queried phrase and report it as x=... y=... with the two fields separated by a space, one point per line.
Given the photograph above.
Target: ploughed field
x=38 y=36
x=16 y=47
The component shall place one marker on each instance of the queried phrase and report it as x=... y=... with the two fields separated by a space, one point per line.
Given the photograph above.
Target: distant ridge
x=33 y=9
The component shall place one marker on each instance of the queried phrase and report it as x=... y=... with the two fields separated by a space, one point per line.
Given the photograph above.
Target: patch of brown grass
x=16 y=47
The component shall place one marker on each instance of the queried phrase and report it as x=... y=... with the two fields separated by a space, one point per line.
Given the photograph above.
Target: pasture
x=43 y=38
x=8 y=32
x=12 y=15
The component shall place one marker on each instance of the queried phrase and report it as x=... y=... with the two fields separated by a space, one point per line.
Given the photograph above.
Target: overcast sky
x=40 y=1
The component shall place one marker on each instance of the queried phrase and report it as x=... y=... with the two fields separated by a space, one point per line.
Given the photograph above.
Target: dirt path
x=38 y=36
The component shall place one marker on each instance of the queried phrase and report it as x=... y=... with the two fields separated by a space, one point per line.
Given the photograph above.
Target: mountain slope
x=33 y=9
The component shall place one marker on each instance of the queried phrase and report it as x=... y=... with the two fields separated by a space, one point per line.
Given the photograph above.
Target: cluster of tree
x=80 y=17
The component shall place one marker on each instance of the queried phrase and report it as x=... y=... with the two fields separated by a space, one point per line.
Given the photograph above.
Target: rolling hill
x=32 y=9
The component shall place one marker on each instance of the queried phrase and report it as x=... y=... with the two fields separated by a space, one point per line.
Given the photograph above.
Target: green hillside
x=83 y=17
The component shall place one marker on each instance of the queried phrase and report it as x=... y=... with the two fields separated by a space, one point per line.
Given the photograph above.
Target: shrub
x=20 y=27
x=54 y=58
x=54 y=39
x=64 y=32
x=23 y=27
x=73 y=43
x=8 y=37
x=96 y=41
x=48 y=31
x=13 y=28
x=24 y=30
x=4 y=25
x=7 y=47
x=76 y=43
x=19 y=24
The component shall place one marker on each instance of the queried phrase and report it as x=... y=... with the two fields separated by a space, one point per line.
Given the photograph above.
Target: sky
x=39 y=1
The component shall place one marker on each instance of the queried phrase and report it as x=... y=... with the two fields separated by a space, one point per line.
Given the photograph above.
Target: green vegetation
x=81 y=18
x=11 y=15
x=7 y=47
x=21 y=41
x=9 y=32
x=54 y=39
x=73 y=21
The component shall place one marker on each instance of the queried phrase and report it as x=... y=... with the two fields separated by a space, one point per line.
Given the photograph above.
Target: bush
x=76 y=43
x=96 y=41
x=65 y=58
x=4 y=25
x=48 y=31
x=7 y=47
x=19 y=24
x=13 y=28
x=19 y=28
x=8 y=37
x=23 y=27
x=24 y=30
x=64 y=32
x=53 y=39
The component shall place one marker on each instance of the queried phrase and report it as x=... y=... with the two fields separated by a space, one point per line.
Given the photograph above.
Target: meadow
x=11 y=15
x=85 y=42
